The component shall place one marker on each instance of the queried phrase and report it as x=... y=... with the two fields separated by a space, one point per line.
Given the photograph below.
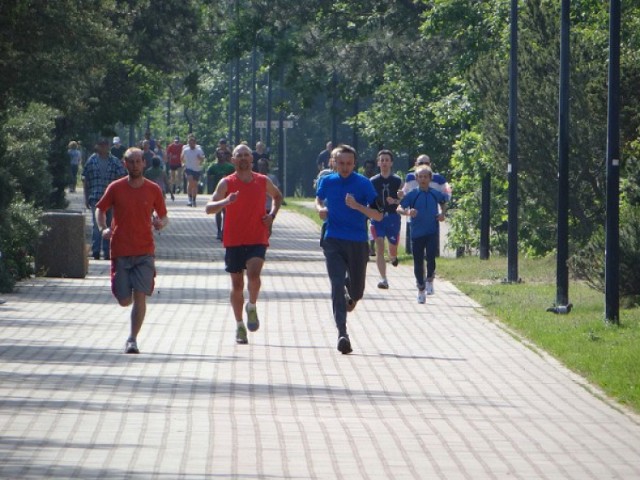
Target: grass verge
x=605 y=355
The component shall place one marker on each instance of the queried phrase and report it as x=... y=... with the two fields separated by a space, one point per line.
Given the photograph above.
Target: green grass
x=605 y=355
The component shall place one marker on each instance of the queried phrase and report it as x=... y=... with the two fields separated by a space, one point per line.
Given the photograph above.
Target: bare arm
x=321 y=209
x=160 y=223
x=276 y=195
x=101 y=220
x=220 y=199
x=443 y=210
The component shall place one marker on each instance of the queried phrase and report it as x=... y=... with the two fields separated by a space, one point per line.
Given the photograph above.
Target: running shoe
x=131 y=347
x=394 y=261
x=422 y=298
x=241 y=335
x=383 y=284
x=344 y=345
x=253 y=324
x=429 y=288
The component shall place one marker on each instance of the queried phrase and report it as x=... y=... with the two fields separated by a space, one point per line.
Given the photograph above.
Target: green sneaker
x=241 y=335
x=253 y=324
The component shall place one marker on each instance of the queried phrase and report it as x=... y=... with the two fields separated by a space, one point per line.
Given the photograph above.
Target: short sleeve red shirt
x=243 y=218
x=174 y=150
x=131 y=228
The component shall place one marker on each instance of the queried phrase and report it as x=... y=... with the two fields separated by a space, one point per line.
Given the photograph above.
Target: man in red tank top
x=246 y=232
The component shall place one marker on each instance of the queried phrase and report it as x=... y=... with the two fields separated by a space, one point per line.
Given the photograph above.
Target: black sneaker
x=131 y=347
x=394 y=261
x=344 y=345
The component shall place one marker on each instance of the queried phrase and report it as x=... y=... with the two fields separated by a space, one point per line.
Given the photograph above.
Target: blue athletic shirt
x=343 y=222
x=426 y=202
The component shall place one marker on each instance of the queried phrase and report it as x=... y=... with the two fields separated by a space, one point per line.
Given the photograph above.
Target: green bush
x=23 y=220
x=589 y=263
x=27 y=137
x=25 y=187
x=469 y=164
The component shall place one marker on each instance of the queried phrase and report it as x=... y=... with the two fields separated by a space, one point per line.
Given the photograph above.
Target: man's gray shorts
x=132 y=273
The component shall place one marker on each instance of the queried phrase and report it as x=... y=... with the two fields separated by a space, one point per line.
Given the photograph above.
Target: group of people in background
x=353 y=205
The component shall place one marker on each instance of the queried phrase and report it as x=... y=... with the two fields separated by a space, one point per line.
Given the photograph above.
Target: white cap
x=116 y=140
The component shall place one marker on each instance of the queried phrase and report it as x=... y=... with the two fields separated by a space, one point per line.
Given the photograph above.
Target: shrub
x=589 y=263
x=18 y=249
x=25 y=187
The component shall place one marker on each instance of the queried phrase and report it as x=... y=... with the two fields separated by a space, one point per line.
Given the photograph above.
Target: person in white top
x=192 y=158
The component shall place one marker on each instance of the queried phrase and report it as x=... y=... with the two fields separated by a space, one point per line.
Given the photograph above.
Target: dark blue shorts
x=388 y=227
x=193 y=173
x=235 y=258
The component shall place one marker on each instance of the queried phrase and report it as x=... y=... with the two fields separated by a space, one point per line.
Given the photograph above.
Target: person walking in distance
x=174 y=154
x=118 y=149
x=322 y=161
x=192 y=159
x=75 y=157
x=258 y=154
x=426 y=207
x=138 y=207
x=246 y=233
x=99 y=171
x=387 y=185
x=344 y=200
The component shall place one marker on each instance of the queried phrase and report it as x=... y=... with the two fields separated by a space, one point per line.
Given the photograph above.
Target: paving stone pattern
x=434 y=391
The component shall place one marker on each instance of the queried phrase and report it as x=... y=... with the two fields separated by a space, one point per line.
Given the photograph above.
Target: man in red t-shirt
x=134 y=200
x=174 y=151
x=246 y=232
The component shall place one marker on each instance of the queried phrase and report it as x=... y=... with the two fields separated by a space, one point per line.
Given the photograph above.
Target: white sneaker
x=421 y=296
x=429 y=288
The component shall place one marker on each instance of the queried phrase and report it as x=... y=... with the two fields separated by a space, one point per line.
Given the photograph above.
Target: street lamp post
x=612 y=241
x=562 y=304
x=512 y=168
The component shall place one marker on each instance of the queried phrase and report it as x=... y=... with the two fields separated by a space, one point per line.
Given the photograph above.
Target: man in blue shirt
x=101 y=169
x=344 y=201
x=426 y=207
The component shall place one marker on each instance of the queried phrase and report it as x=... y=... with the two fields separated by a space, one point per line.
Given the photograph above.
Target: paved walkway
x=431 y=391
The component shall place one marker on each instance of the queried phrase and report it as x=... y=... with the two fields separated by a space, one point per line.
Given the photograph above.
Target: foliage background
x=415 y=76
